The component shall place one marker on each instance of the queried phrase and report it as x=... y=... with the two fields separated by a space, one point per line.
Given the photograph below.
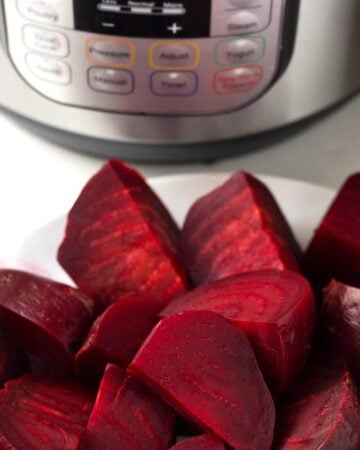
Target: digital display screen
x=137 y=18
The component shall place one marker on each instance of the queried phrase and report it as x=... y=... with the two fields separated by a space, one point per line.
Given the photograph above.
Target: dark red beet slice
x=341 y=313
x=116 y=336
x=237 y=228
x=322 y=412
x=13 y=361
x=127 y=415
x=48 y=319
x=205 y=368
x=275 y=309
x=334 y=251
x=120 y=238
x=40 y=412
x=204 y=442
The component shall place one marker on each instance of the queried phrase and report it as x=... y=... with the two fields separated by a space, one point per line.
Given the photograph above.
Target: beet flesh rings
x=42 y=413
x=205 y=368
x=48 y=319
x=121 y=239
x=236 y=228
x=204 y=442
x=334 y=251
x=126 y=415
x=322 y=412
x=275 y=309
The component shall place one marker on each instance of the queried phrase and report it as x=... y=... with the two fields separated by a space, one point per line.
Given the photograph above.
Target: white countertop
x=39 y=180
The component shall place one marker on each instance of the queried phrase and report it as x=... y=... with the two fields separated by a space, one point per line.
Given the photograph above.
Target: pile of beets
x=212 y=333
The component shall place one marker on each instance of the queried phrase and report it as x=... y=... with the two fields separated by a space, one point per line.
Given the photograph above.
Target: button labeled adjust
x=49 y=69
x=239 y=51
x=238 y=80
x=174 y=84
x=45 y=41
x=177 y=56
x=110 y=52
x=111 y=81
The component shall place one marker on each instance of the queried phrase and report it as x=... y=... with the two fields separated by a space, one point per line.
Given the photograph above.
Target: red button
x=237 y=80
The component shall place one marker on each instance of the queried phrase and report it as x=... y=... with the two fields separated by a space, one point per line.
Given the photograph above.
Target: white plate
x=303 y=204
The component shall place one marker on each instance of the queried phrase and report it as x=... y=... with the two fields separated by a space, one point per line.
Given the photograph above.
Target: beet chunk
x=46 y=318
x=116 y=336
x=13 y=361
x=205 y=368
x=204 y=442
x=237 y=228
x=322 y=412
x=126 y=415
x=341 y=313
x=120 y=238
x=41 y=412
x=275 y=309
x=334 y=251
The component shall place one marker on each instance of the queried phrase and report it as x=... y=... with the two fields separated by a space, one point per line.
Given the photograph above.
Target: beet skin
x=204 y=442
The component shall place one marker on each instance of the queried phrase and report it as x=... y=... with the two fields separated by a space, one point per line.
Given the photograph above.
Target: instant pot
x=104 y=75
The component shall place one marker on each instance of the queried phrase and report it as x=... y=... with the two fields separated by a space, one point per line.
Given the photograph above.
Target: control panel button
x=111 y=81
x=239 y=51
x=174 y=84
x=52 y=12
x=243 y=22
x=49 y=69
x=110 y=52
x=45 y=41
x=176 y=56
x=237 y=80
x=246 y=3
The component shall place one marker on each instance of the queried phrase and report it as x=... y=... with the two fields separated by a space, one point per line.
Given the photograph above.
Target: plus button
x=174 y=28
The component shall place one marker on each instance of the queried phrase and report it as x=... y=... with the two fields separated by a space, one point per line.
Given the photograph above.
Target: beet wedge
x=204 y=442
x=13 y=362
x=340 y=312
x=205 y=368
x=47 y=319
x=121 y=239
x=334 y=251
x=322 y=412
x=236 y=228
x=127 y=415
x=116 y=336
x=40 y=413
x=275 y=309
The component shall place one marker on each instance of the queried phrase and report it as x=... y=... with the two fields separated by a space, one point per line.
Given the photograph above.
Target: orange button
x=110 y=52
x=174 y=55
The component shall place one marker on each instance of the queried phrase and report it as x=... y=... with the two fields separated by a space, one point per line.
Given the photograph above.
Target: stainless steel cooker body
x=322 y=69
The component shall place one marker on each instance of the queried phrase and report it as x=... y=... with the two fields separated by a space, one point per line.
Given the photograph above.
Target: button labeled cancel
x=174 y=56
x=110 y=52
x=174 y=84
x=111 y=81
x=238 y=80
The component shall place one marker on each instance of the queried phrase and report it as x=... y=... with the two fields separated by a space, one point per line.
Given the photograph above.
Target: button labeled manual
x=174 y=84
x=238 y=80
x=110 y=52
x=48 y=69
x=176 y=56
x=45 y=41
x=111 y=81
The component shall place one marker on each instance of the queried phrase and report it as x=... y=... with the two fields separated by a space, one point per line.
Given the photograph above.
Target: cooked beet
x=237 y=228
x=334 y=251
x=322 y=412
x=127 y=415
x=116 y=336
x=204 y=442
x=341 y=313
x=48 y=319
x=205 y=368
x=13 y=361
x=120 y=238
x=275 y=309
x=41 y=412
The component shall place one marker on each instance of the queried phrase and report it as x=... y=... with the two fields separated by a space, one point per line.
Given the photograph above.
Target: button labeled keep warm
x=177 y=56
x=174 y=84
x=46 y=41
x=238 y=80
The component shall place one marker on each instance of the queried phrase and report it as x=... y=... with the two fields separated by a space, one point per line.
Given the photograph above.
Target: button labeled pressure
x=110 y=52
x=178 y=56
x=238 y=80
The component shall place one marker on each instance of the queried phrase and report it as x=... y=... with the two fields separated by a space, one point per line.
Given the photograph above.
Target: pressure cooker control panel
x=180 y=57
